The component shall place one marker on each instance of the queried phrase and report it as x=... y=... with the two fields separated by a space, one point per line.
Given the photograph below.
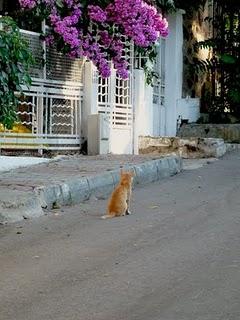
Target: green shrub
x=15 y=62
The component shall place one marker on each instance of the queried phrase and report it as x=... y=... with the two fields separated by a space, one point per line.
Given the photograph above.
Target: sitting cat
x=119 y=201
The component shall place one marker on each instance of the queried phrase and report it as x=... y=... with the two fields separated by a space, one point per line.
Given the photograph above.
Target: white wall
x=145 y=113
x=143 y=107
x=121 y=141
x=143 y=95
x=189 y=108
x=174 y=70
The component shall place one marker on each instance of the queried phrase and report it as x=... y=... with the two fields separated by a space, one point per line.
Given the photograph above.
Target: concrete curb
x=78 y=190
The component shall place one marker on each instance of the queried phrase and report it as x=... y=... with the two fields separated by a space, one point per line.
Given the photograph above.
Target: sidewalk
x=26 y=192
x=8 y=163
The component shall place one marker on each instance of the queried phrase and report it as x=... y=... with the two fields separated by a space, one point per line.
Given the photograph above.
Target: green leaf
x=234 y=94
x=59 y=3
x=228 y=59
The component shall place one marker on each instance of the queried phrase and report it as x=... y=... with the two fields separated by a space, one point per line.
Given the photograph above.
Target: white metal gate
x=159 y=117
x=115 y=100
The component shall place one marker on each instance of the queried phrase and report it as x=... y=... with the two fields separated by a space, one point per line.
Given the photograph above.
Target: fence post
x=40 y=99
x=44 y=47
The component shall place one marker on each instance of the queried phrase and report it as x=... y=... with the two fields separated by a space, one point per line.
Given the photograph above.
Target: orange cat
x=119 y=201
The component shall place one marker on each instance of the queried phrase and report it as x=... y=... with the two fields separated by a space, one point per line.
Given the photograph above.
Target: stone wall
x=186 y=148
x=228 y=132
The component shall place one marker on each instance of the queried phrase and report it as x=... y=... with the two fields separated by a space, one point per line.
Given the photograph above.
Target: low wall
x=228 y=132
x=186 y=148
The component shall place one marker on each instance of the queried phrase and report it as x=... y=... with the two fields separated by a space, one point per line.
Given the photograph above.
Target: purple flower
x=104 y=69
x=140 y=21
x=69 y=3
x=54 y=18
x=49 y=40
x=96 y=13
x=28 y=4
x=105 y=38
x=123 y=73
x=100 y=34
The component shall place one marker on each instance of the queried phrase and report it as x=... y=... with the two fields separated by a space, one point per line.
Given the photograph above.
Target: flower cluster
x=96 y=13
x=29 y=4
x=97 y=32
x=66 y=27
x=140 y=21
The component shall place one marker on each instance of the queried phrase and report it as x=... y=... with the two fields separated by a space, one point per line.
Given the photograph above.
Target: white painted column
x=148 y=109
x=174 y=70
x=143 y=109
x=90 y=94
x=138 y=99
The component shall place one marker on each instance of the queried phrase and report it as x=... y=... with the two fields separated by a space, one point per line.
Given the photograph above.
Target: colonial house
x=69 y=102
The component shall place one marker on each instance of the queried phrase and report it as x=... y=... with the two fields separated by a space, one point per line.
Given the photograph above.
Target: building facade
x=59 y=111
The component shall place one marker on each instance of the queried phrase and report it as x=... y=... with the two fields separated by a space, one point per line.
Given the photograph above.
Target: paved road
x=176 y=258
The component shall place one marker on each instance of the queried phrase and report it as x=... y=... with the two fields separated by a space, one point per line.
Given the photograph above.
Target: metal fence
x=50 y=112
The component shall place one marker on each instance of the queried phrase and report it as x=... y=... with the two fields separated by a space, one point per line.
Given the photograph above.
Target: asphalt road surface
x=176 y=258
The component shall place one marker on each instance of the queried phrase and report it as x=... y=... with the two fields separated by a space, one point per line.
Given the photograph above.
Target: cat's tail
x=107 y=216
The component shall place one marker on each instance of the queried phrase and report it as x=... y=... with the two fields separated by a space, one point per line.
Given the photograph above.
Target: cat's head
x=127 y=176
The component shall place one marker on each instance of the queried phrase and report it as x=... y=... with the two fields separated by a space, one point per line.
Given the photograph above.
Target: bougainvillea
x=96 y=29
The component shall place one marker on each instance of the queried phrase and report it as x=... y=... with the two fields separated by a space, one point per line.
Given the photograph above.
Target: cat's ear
x=132 y=173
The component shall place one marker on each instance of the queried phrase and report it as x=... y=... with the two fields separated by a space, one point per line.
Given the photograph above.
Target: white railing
x=49 y=118
x=50 y=112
